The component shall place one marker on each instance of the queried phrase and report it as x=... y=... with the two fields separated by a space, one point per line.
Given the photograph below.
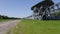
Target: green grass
x=37 y=27
x=1 y=20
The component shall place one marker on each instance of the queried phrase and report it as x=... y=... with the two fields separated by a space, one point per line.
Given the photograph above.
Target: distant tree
x=56 y=14
x=0 y=16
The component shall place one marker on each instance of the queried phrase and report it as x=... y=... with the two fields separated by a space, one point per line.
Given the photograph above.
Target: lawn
x=1 y=20
x=37 y=27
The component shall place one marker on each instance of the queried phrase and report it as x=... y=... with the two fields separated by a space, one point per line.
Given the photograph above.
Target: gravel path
x=5 y=26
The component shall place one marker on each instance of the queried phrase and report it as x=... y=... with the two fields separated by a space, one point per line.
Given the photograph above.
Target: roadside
x=3 y=20
x=4 y=27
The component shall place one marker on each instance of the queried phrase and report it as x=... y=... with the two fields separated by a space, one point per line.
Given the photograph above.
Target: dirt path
x=5 y=26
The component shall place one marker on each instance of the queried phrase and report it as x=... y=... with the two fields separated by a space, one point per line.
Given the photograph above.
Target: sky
x=18 y=8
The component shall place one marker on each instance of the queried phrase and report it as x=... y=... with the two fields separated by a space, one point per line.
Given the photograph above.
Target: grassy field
x=37 y=27
x=1 y=20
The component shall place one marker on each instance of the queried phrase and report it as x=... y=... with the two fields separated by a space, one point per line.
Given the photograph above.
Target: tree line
x=6 y=17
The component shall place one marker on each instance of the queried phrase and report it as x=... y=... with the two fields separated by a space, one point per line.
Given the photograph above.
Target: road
x=5 y=26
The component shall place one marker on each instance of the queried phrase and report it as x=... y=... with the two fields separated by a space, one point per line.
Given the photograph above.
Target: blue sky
x=18 y=8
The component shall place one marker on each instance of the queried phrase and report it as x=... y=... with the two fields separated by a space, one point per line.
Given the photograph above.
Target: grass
x=1 y=20
x=37 y=27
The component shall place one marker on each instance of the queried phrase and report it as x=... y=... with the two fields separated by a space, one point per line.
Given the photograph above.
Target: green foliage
x=56 y=13
x=6 y=17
